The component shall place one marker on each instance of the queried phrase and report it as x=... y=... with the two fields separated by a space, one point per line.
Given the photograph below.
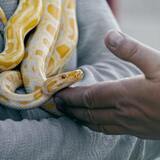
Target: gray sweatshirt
x=37 y=135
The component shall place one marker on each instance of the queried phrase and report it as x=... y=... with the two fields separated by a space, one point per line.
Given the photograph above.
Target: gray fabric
x=36 y=135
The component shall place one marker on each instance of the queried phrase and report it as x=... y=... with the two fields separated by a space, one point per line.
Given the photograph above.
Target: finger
x=108 y=129
x=97 y=96
x=125 y=47
x=98 y=116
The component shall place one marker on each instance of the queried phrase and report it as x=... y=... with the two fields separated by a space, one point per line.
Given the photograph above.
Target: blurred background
x=140 y=19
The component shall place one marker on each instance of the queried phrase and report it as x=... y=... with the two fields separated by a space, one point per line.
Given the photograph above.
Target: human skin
x=127 y=106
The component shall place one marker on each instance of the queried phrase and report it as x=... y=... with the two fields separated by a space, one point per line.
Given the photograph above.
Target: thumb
x=145 y=58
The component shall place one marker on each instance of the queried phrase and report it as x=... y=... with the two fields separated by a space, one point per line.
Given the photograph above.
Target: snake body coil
x=24 y=20
x=49 y=47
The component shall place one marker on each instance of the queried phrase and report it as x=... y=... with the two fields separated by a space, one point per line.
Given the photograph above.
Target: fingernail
x=59 y=103
x=114 y=39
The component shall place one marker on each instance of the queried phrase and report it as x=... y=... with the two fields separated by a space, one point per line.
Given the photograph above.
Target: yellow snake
x=47 y=50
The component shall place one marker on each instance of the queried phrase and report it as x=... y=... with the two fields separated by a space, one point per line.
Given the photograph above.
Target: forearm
x=94 y=58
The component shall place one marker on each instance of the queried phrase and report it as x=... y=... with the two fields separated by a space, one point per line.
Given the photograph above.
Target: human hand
x=128 y=106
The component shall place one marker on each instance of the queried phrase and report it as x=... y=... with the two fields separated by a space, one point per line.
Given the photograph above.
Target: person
x=37 y=135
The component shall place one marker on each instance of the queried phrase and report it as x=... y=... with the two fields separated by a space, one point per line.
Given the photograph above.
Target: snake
x=42 y=58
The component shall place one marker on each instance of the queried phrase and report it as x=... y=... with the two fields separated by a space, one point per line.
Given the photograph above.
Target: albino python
x=48 y=49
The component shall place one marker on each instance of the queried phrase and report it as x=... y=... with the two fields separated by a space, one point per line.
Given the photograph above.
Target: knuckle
x=133 y=51
x=89 y=116
x=88 y=98
x=123 y=113
x=130 y=47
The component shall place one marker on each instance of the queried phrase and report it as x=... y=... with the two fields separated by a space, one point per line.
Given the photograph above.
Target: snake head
x=63 y=80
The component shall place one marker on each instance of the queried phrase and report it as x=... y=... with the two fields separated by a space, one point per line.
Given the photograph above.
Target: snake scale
x=42 y=58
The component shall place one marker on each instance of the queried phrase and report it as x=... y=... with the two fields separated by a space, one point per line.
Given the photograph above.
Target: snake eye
x=63 y=76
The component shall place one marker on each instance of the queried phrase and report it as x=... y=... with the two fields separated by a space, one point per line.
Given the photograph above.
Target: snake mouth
x=61 y=81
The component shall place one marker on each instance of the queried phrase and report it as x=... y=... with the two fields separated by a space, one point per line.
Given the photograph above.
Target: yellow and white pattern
x=47 y=50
